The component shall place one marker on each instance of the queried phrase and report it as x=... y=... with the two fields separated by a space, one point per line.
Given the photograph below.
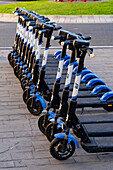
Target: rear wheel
x=101 y=92
x=58 y=151
x=109 y=106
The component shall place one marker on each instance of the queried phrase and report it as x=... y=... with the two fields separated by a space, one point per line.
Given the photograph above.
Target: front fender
x=67 y=57
x=85 y=71
x=51 y=114
x=42 y=101
x=70 y=138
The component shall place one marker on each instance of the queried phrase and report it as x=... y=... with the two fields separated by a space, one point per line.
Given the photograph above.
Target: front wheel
x=23 y=82
x=34 y=107
x=16 y=68
x=58 y=151
x=49 y=131
x=26 y=95
x=41 y=123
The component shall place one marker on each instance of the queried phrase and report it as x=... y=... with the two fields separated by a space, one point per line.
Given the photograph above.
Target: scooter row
x=59 y=115
x=25 y=60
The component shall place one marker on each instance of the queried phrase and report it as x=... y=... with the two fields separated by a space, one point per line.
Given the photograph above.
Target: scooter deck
x=94 y=147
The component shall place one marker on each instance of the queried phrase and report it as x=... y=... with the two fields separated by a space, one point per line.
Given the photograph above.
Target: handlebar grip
x=46 y=19
x=31 y=23
x=58 y=28
x=43 y=31
x=90 y=52
x=80 y=34
x=87 y=38
x=66 y=42
x=53 y=23
x=56 y=37
x=16 y=13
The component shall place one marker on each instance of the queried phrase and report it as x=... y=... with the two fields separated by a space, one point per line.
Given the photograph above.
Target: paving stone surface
x=23 y=146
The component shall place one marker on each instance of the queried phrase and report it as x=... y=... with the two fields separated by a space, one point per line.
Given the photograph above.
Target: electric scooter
x=42 y=86
x=63 y=146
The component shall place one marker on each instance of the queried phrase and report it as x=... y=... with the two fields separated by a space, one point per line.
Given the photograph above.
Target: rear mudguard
x=87 y=76
x=93 y=81
x=42 y=101
x=70 y=138
x=58 y=56
x=75 y=70
x=106 y=96
x=85 y=71
x=97 y=89
x=57 y=53
x=66 y=63
x=66 y=57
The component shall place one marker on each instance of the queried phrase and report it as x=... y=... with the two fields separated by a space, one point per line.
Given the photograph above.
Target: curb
x=65 y=18
x=8 y=18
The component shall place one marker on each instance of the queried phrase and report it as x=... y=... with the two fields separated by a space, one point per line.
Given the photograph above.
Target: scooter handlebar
x=66 y=42
x=43 y=31
x=57 y=28
x=90 y=52
x=87 y=38
x=56 y=37
x=80 y=34
x=46 y=19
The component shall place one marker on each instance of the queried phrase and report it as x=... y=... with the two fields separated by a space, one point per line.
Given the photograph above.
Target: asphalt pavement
x=101 y=33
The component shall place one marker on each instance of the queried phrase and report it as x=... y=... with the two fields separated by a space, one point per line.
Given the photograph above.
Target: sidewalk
x=23 y=146
x=66 y=18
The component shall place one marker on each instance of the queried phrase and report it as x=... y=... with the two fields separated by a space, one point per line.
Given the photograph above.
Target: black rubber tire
x=18 y=74
x=109 y=107
x=40 y=123
x=34 y=108
x=9 y=56
x=56 y=149
x=23 y=82
x=16 y=70
x=26 y=95
x=11 y=60
x=14 y=63
x=48 y=131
